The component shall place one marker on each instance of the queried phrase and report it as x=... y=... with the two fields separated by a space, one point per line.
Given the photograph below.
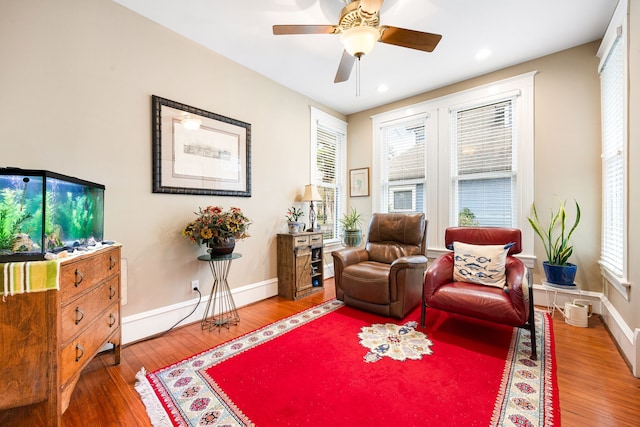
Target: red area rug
x=334 y=365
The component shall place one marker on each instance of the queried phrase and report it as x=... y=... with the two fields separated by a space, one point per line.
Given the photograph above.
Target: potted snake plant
x=557 y=268
x=351 y=228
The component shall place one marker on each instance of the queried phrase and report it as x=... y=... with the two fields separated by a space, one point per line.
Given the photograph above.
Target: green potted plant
x=557 y=268
x=293 y=214
x=351 y=228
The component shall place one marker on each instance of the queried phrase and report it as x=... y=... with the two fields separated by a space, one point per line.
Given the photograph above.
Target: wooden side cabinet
x=48 y=338
x=300 y=264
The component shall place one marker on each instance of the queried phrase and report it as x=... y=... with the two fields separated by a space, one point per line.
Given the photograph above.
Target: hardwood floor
x=596 y=386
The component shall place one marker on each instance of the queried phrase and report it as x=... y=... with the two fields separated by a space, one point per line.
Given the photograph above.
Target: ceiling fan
x=359 y=30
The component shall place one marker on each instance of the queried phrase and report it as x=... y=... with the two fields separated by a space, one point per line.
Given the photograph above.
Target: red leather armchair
x=511 y=305
x=386 y=277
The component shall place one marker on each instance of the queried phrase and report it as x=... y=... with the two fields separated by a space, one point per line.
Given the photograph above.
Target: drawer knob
x=79 y=352
x=112 y=320
x=112 y=262
x=112 y=292
x=79 y=315
x=78 y=278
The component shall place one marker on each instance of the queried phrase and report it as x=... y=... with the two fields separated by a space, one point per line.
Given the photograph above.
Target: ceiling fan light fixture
x=369 y=8
x=359 y=40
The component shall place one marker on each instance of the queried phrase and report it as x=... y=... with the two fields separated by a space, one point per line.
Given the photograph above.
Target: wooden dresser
x=48 y=338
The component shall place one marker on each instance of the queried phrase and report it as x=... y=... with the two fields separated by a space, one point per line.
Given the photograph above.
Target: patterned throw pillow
x=481 y=264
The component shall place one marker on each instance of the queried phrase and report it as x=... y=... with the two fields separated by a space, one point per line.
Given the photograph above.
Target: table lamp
x=311 y=195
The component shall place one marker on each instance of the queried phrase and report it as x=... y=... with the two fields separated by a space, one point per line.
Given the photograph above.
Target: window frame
x=617 y=30
x=438 y=190
x=378 y=162
x=456 y=177
x=405 y=188
x=319 y=117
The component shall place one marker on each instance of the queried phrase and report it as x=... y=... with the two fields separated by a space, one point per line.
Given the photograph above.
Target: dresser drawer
x=75 y=355
x=79 y=275
x=299 y=241
x=315 y=240
x=76 y=316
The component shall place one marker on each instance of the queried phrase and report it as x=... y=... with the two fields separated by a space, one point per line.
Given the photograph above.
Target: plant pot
x=222 y=247
x=562 y=275
x=352 y=238
x=295 y=227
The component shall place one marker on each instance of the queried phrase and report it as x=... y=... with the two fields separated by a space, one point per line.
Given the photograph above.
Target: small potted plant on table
x=293 y=214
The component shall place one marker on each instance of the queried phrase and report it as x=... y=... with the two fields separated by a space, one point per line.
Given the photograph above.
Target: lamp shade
x=311 y=193
x=359 y=40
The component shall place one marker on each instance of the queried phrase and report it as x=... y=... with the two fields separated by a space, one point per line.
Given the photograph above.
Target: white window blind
x=328 y=170
x=613 y=163
x=483 y=171
x=404 y=165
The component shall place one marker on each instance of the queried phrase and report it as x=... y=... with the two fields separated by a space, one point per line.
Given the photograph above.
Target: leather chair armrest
x=410 y=261
x=346 y=257
x=407 y=276
x=439 y=273
x=342 y=259
x=517 y=281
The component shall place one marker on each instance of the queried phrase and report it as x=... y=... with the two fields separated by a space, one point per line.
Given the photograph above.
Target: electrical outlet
x=195 y=285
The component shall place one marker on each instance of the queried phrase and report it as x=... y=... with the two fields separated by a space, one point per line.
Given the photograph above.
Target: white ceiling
x=514 y=30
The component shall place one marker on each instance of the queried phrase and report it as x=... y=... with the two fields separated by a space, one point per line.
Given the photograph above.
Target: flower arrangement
x=293 y=214
x=214 y=224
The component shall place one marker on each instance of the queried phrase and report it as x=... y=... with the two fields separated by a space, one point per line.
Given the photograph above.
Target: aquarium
x=42 y=211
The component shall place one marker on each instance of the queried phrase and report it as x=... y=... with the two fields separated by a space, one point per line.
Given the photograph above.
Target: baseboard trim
x=627 y=340
x=142 y=325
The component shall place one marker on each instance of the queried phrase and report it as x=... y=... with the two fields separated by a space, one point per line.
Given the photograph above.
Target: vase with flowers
x=217 y=229
x=293 y=214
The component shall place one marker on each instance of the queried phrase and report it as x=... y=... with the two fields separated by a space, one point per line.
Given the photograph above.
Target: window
x=464 y=159
x=328 y=145
x=403 y=171
x=483 y=173
x=613 y=79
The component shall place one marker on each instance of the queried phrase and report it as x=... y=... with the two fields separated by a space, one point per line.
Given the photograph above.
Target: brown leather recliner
x=511 y=305
x=386 y=277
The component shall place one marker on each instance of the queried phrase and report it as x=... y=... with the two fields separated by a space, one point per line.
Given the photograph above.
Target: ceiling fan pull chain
x=358 y=76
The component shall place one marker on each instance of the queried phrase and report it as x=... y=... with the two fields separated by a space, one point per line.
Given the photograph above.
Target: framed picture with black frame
x=199 y=152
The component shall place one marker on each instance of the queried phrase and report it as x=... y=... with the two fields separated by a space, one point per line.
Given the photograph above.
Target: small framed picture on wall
x=359 y=182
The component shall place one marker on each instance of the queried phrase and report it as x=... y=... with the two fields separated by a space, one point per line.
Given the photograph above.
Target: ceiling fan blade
x=345 y=67
x=304 y=29
x=409 y=38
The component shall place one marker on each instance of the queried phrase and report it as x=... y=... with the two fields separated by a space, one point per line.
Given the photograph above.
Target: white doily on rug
x=398 y=342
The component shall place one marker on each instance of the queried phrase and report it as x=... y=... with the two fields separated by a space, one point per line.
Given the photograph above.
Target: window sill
x=620 y=284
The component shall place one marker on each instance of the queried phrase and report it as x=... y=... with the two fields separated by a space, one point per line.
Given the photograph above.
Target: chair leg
x=423 y=313
x=532 y=325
